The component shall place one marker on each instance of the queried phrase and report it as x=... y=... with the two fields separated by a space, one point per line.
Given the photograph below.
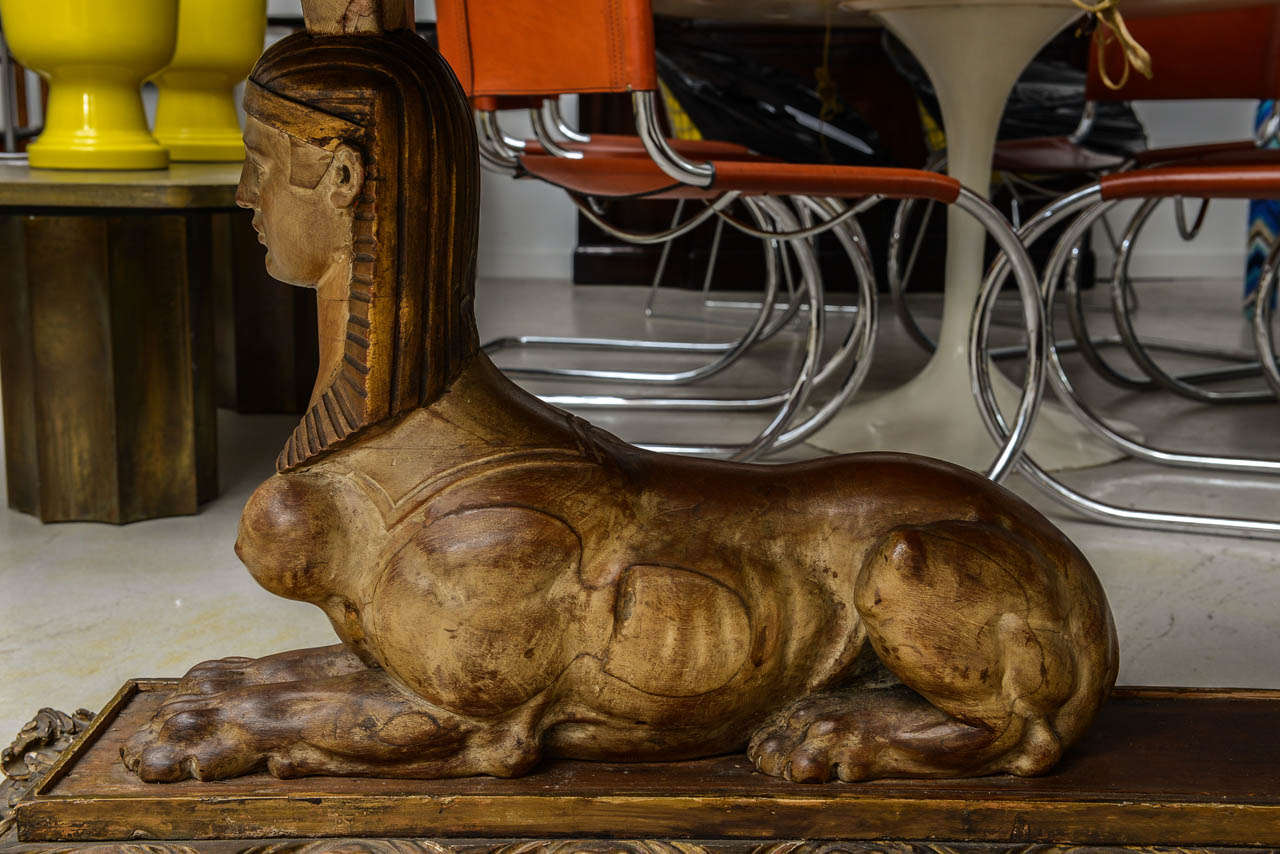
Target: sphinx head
x=303 y=201
x=361 y=159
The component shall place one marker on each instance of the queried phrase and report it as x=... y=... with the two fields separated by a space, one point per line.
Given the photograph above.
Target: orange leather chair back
x=500 y=48
x=1232 y=53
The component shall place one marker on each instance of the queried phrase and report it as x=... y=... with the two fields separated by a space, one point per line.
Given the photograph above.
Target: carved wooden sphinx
x=510 y=583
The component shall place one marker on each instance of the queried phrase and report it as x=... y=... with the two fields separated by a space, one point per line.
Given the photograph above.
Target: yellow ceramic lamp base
x=95 y=56
x=218 y=41
x=96 y=124
x=196 y=117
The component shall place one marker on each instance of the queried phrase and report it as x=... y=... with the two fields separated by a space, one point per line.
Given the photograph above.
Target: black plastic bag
x=766 y=109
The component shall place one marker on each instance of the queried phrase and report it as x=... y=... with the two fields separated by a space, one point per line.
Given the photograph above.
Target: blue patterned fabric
x=1264 y=224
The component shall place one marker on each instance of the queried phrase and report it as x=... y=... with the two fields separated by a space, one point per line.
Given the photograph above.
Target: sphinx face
x=304 y=231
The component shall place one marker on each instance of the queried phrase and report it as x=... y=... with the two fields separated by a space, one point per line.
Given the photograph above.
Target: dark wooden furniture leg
x=106 y=346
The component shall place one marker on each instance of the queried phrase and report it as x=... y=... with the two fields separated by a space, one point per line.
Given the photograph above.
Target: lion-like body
x=615 y=602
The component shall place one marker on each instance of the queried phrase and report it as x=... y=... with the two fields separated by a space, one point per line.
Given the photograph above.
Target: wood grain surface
x=107 y=360
x=1161 y=766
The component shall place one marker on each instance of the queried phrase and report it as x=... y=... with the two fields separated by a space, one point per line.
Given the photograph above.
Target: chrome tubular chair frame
x=1136 y=348
x=1262 y=314
x=1089 y=199
x=639 y=344
x=854 y=349
x=551 y=109
x=645 y=105
x=537 y=119
x=499 y=152
x=1015 y=257
x=496 y=154
x=801 y=388
x=728 y=356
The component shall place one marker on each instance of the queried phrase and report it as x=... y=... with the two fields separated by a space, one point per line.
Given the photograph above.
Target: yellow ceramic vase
x=218 y=42
x=95 y=55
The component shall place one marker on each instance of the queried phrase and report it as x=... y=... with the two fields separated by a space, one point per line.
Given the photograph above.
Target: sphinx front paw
x=197 y=736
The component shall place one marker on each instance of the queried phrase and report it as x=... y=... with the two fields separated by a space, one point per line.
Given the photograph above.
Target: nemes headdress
x=360 y=76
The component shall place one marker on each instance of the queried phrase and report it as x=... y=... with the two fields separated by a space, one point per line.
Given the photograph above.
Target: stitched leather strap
x=804 y=179
x=613 y=176
x=1239 y=152
x=624 y=175
x=1203 y=182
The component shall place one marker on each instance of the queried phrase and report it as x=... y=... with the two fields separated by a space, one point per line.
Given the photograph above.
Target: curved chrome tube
x=1180 y=218
x=1067 y=394
x=854 y=349
x=798 y=395
x=643 y=238
x=551 y=107
x=1135 y=347
x=544 y=136
x=801 y=233
x=510 y=145
x=1075 y=305
x=857 y=346
x=638 y=345
x=1262 y=313
x=667 y=158
x=1087 y=345
x=1087 y=117
x=494 y=156
x=1024 y=275
x=728 y=357
x=1111 y=514
x=1076 y=501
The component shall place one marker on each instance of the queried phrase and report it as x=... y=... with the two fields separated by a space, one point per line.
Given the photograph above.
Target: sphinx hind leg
x=976 y=622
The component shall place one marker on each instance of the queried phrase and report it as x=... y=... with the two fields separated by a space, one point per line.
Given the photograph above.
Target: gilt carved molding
x=32 y=753
x=608 y=846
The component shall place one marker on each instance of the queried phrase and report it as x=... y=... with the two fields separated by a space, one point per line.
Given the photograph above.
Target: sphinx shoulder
x=299 y=528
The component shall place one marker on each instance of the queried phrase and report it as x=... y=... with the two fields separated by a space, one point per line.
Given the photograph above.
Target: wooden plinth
x=1160 y=767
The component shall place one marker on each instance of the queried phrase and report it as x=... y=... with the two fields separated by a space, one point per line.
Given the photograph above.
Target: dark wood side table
x=109 y=285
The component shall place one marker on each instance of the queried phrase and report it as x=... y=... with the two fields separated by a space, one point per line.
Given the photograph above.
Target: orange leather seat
x=615 y=176
x=621 y=176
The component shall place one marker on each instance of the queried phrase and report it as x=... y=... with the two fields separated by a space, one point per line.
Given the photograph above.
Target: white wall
x=1219 y=251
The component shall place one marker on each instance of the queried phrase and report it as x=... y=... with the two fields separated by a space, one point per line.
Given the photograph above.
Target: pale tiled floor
x=85 y=606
